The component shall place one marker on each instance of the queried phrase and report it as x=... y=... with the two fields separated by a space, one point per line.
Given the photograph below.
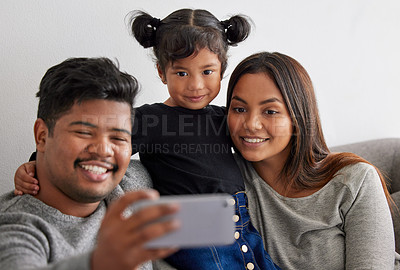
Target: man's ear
x=161 y=74
x=41 y=133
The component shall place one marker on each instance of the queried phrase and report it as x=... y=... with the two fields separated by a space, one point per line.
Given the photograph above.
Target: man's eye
x=181 y=73
x=121 y=139
x=207 y=72
x=83 y=132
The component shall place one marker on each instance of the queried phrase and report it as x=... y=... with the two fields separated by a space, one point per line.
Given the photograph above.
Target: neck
x=270 y=172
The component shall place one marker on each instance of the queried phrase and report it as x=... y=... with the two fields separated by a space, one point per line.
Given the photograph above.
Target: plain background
x=351 y=49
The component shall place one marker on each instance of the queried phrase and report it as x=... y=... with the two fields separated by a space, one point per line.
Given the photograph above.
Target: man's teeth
x=94 y=169
x=256 y=140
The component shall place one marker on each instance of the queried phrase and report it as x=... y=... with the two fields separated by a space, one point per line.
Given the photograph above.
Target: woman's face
x=258 y=119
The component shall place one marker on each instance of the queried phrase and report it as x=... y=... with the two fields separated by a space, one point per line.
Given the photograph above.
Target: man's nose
x=101 y=147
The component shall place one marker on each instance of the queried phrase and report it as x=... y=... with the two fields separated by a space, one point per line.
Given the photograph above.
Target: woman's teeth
x=255 y=140
x=94 y=169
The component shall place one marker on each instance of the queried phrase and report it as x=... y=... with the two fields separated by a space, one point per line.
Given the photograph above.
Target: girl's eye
x=181 y=73
x=207 y=72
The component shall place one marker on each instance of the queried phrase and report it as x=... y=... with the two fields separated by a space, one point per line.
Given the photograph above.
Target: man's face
x=89 y=151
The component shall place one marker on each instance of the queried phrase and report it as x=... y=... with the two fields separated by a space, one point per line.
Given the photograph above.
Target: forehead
x=258 y=83
x=105 y=113
x=202 y=57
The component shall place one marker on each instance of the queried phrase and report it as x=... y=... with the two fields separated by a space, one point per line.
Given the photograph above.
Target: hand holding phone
x=205 y=219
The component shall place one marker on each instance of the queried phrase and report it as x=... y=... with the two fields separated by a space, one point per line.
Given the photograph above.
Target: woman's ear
x=161 y=74
x=41 y=133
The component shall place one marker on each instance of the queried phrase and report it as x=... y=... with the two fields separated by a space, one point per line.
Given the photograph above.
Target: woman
x=314 y=209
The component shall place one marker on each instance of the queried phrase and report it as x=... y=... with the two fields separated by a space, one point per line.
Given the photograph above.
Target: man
x=83 y=141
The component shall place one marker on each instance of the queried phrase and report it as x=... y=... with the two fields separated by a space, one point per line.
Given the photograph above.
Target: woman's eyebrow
x=270 y=100
x=239 y=99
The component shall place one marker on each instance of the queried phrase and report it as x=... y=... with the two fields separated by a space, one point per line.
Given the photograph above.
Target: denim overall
x=247 y=252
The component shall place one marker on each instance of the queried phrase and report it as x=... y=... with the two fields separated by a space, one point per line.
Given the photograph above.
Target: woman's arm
x=368 y=227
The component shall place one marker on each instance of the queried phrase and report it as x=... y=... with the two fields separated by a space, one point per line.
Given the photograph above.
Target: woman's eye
x=271 y=112
x=207 y=72
x=181 y=73
x=239 y=110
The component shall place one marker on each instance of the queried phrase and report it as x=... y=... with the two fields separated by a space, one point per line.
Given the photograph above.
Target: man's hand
x=121 y=240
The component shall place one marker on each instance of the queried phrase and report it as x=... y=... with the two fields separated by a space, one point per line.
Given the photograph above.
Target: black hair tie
x=155 y=22
x=226 y=24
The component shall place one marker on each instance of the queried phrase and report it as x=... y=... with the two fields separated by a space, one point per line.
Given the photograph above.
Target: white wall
x=351 y=49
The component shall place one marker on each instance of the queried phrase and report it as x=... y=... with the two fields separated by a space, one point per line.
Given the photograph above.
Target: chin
x=252 y=157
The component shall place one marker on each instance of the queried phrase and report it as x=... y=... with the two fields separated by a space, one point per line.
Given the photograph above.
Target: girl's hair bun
x=144 y=27
x=237 y=29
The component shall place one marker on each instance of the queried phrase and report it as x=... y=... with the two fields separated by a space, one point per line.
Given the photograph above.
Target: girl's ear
x=41 y=133
x=161 y=74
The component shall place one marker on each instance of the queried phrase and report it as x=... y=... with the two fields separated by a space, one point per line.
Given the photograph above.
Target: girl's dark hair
x=80 y=79
x=185 y=32
x=310 y=163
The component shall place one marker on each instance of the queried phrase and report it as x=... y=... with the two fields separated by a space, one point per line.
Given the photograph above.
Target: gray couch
x=384 y=154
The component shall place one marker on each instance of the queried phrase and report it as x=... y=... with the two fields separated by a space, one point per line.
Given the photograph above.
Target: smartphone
x=206 y=219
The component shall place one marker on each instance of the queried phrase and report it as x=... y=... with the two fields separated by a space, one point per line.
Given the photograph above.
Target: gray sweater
x=34 y=235
x=345 y=225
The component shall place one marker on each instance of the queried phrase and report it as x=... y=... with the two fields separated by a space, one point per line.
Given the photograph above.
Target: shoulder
x=11 y=203
x=218 y=110
x=136 y=177
x=357 y=176
x=150 y=108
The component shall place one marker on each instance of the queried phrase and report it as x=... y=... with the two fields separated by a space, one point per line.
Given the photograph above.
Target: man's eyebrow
x=83 y=123
x=122 y=130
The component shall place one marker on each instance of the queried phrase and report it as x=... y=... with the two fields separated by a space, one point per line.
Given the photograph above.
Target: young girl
x=315 y=209
x=183 y=142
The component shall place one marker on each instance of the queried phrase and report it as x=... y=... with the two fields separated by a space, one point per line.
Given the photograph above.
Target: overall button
x=232 y=201
x=235 y=218
x=237 y=235
x=250 y=266
x=244 y=248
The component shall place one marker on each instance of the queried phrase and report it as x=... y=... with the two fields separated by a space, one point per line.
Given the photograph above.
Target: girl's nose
x=195 y=83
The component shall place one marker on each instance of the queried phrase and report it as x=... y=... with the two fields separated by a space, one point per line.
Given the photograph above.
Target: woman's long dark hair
x=310 y=163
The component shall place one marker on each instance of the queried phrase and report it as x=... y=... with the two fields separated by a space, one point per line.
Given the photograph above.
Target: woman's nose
x=253 y=122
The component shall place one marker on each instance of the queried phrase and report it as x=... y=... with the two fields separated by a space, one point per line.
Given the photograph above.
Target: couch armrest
x=383 y=153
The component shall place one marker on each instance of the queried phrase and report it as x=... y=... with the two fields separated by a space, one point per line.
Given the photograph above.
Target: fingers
x=119 y=206
x=26 y=184
x=146 y=231
x=24 y=179
x=30 y=168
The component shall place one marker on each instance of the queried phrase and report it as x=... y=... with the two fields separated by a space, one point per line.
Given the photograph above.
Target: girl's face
x=258 y=119
x=193 y=82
